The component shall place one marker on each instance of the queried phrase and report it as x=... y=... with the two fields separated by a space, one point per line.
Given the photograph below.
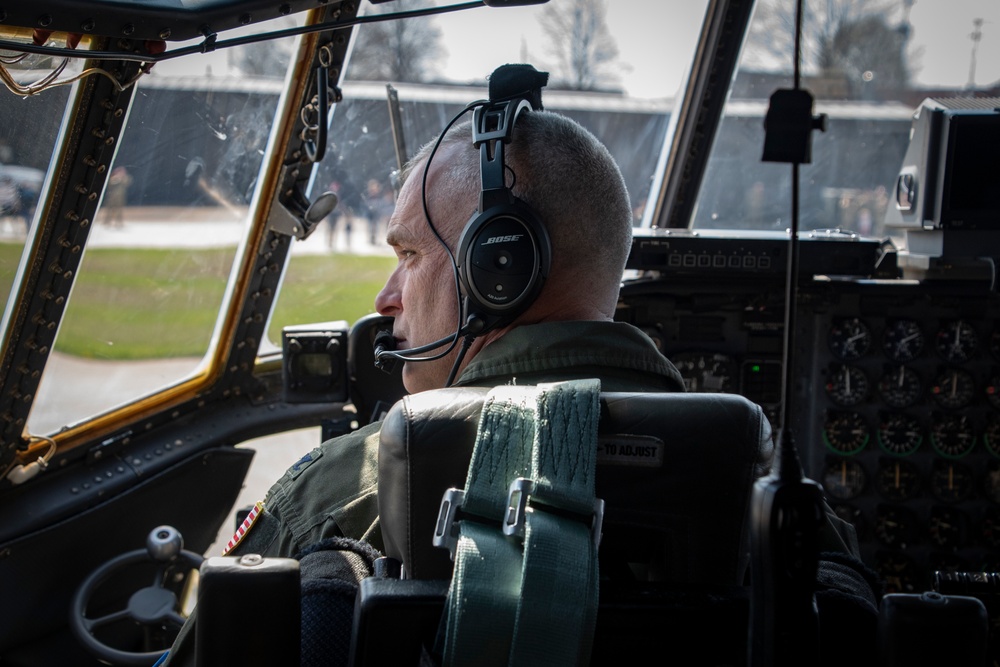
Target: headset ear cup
x=504 y=256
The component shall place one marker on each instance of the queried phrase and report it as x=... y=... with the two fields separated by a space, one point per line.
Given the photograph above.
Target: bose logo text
x=502 y=239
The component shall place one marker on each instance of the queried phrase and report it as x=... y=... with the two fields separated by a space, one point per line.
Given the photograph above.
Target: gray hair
x=566 y=175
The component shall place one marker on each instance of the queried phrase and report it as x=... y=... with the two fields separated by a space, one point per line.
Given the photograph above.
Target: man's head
x=575 y=188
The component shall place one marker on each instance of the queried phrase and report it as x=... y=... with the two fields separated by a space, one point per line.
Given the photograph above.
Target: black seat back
x=675 y=471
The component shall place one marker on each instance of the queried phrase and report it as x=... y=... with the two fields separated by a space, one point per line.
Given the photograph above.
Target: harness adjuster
x=446 y=529
x=515 y=517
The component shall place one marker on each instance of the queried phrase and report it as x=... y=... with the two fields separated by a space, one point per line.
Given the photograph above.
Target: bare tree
x=396 y=50
x=269 y=58
x=584 y=50
x=863 y=41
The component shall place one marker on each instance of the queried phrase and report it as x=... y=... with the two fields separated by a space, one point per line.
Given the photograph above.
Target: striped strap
x=525 y=585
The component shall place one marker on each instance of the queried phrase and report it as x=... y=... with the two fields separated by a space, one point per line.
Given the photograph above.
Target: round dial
x=900 y=387
x=956 y=341
x=952 y=435
x=991 y=481
x=993 y=391
x=951 y=481
x=845 y=432
x=849 y=339
x=897 y=480
x=900 y=573
x=895 y=526
x=847 y=385
x=903 y=340
x=899 y=434
x=953 y=388
x=705 y=371
x=844 y=479
x=991 y=436
x=946 y=527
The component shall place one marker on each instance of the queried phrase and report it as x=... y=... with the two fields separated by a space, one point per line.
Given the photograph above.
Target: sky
x=943 y=28
x=941 y=32
x=656 y=39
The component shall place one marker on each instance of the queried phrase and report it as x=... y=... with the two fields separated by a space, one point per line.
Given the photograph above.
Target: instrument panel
x=894 y=403
x=904 y=425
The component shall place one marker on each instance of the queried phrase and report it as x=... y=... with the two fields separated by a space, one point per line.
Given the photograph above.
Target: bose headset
x=504 y=251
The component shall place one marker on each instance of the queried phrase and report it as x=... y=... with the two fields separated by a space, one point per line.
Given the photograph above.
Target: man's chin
x=419 y=376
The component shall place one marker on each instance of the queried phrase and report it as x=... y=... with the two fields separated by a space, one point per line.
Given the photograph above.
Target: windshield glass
x=149 y=289
x=868 y=66
x=27 y=138
x=622 y=88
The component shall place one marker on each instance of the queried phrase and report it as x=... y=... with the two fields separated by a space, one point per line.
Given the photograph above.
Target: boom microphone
x=385 y=345
x=384 y=342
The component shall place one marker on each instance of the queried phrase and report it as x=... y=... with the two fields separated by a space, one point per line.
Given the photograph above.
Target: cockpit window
x=27 y=138
x=863 y=62
x=160 y=254
x=423 y=72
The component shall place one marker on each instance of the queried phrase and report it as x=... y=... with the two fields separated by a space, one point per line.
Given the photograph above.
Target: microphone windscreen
x=384 y=342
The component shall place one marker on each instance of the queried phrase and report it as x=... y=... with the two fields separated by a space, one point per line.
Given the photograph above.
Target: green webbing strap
x=530 y=598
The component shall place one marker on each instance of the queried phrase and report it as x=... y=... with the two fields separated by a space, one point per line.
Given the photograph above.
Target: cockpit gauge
x=899 y=572
x=895 y=526
x=844 y=479
x=956 y=341
x=991 y=482
x=897 y=480
x=846 y=385
x=705 y=371
x=991 y=436
x=900 y=386
x=946 y=527
x=993 y=391
x=952 y=435
x=899 y=434
x=849 y=339
x=845 y=432
x=953 y=388
x=903 y=340
x=951 y=481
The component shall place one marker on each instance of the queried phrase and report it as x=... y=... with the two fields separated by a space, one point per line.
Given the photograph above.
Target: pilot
x=573 y=184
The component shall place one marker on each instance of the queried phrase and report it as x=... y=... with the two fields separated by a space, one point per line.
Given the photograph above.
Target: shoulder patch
x=244 y=528
x=299 y=466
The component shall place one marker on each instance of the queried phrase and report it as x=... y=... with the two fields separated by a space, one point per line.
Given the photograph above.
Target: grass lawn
x=147 y=304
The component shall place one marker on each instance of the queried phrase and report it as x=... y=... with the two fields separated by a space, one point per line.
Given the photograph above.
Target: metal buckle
x=515 y=516
x=446 y=528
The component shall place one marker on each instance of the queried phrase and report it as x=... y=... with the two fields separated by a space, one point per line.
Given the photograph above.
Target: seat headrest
x=675 y=471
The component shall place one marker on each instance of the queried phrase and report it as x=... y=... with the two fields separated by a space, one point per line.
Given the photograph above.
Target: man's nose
x=387 y=301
